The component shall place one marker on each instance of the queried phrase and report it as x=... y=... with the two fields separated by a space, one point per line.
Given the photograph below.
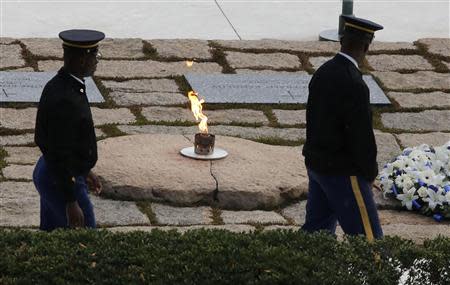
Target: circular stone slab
x=150 y=166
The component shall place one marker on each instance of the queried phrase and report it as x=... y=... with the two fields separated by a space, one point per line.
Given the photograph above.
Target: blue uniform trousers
x=347 y=199
x=53 y=205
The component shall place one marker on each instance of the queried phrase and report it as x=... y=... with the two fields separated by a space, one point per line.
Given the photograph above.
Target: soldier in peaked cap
x=65 y=135
x=340 y=150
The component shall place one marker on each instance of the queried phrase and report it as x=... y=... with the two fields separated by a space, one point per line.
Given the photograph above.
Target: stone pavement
x=145 y=94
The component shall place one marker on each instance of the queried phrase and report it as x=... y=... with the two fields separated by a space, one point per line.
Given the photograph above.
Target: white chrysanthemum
x=422 y=192
x=408 y=198
x=442 y=154
x=447 y=197
x=404 y=181
x=435 y=198
x=427 y=176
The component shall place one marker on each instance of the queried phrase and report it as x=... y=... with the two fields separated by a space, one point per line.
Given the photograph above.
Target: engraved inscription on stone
x=28 y=86
x=263 y=88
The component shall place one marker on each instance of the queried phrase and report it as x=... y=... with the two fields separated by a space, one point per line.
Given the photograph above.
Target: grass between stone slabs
x=218 y=56
x=3 y=163
x=14 y=132
x=434 y=60
x=216 y=257
x=146 y=208
x=279 y=141
x=216 y=216
x=112 y=131
x=30 y=59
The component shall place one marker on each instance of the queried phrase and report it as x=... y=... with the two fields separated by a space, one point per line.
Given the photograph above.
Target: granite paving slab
x=183 y=229
x=6 y=41
x=268 y=71
x=385 y=203
x=263 y=60
x=19 y=204
x=49 y=65
x=22 y=69
x=290 y=117
x=44 y=47
x=387 y=148
x=173 y=114
x=28 y=86
x=151 y=69
x=295 y=212
x=16 y=140
x=117 y=213
x=416 y=233
x=437 y=46
x=22 y=155
x=316 y=62
x=391 y=47
x=389 y=217
x=393 y=62
x=433 y=139
x=18 y=118
x=447 y=64
x=10 y=56
x=142 y=86
x=182 y=216
x=112 y=116
x=150 y=167
x=121 y=48
x=152 y=98
x=258 y=176
x=290 y=134
x=182 y=48
x=428 y=120
x=297 y=46
x=15 y=171
x=413 y=81
x=281 y=227
x=421 y=100
x=249 y=217
x=258 y=88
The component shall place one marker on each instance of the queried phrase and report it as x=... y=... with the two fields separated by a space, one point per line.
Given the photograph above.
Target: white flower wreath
x=420 y=179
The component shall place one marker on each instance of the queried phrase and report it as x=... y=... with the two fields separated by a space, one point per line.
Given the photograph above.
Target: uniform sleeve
x=359 y=134
x=63 y=123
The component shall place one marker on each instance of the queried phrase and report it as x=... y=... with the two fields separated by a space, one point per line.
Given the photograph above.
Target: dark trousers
x=344 y=199
x=53 y=205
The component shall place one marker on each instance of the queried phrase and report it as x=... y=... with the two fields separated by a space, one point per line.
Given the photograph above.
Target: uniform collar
x=77 y=79
x=352 y=60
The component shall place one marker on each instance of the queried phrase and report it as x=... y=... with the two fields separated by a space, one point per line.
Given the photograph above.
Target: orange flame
x=196 y=108
x=189 y=63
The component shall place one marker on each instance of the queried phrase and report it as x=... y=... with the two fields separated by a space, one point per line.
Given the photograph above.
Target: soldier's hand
x=376 y=186
x=94 y=182
x=75 y=215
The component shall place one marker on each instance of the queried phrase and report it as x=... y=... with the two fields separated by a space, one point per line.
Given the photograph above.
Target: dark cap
x=81 y=39
x=359 y=24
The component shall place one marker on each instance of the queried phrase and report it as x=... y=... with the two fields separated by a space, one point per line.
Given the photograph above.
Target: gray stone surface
x=434 y=139
x=316 y=62
x=392 y=217
x=152 y=98
x=416 y=233
x=298 y=46
x=18 y=118
x=421 y=100
x=182 y=48
x=290 y=117
x=259 y=88
x=183 y=229
x=269 y=72
x=387 y=148
x=17 y=140
x=258 y=176
x=392 y=62
x=150 y=167
x=281 y=227
x=44 y=47
x=112 y=116
x=117 y=213
x=295 y=212
x=437 y=46
x=413 y=81
x=182 y=216
x=99 y=133
x=14 y=171
x=391 y=46
x=142 y=86
x=263 y=60
x=19 y=204
x=385 y=202
x=6 y=41
x=429 y=120
x=49 y=65
x=447 y=64
x=150 y=68
x=121 y=48
x=23 y=69
x=292 y=134
x=249 y=217
x=10 y=56
x=22 y=155
x=27 y=87
x=173 y=114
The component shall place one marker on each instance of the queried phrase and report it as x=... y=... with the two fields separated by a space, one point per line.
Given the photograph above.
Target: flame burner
x=204 y=143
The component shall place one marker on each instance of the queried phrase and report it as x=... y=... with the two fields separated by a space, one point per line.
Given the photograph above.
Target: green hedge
x=215 y=257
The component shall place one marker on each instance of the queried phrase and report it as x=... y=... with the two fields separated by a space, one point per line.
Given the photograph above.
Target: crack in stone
x=216 y=191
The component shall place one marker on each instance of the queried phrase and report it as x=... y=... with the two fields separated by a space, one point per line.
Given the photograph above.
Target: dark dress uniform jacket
x=339 y=134
x=65 y=131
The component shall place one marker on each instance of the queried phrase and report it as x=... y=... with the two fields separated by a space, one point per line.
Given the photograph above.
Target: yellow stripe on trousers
x=362 y=208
